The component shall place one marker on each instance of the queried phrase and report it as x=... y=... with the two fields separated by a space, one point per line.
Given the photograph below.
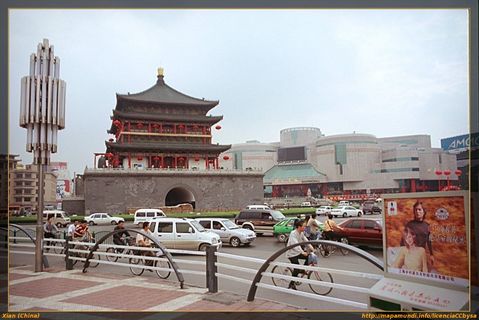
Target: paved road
x=262 y=248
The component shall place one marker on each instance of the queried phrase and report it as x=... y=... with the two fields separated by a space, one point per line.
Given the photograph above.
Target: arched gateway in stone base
x=116 y=191
x=178 y=195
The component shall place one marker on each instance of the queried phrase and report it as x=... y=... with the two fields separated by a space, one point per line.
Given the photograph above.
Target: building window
x=340 y=153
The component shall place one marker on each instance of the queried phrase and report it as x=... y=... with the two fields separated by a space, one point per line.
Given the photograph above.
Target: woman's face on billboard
x=419 y=213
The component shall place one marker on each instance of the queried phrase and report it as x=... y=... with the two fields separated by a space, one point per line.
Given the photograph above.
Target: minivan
x=142 y=215
x=60 y=218
x=183 y=234
x=260 y=221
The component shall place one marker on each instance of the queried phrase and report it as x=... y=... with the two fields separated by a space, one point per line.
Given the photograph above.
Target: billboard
x=291 y=154
x=426 y=237
x=460 y=142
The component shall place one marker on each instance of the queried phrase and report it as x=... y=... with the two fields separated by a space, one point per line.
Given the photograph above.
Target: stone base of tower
x=116 y=190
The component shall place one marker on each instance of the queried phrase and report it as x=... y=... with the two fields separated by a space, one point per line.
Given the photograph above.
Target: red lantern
x=156 y=158
x=181 y=126
x=197 y=159
x=139 y=158
x=218 y=127
x=438 y=172
x=117 y=123
x=447 y=172
x=139 y=125
x=226 y=158
x=458 y=172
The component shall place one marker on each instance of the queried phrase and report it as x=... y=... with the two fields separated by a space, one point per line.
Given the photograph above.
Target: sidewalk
x=60 y=290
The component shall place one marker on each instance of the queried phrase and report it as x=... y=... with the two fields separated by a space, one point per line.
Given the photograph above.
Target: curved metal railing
x=363 y=254
x=179 y=275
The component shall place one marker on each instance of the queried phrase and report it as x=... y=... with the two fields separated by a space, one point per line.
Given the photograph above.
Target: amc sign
x=461 y=142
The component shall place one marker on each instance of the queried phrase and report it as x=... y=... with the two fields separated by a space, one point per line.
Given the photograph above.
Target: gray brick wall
x=114 y=191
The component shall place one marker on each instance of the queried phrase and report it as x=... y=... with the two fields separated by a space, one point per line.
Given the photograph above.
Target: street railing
x=217 y=266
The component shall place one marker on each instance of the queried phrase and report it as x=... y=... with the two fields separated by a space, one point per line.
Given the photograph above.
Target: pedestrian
x=49 y=231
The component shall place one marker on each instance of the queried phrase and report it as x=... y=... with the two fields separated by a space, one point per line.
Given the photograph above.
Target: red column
x=129 y=160
x=129 y=130
x=174 y=160
x=216 y=163
x=413 y=185
x=206 y=163
x=161 y=162
x=161 y=128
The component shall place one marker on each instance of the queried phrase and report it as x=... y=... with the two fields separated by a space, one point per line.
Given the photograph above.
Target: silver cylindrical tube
x=37 y=98
x=23 y=106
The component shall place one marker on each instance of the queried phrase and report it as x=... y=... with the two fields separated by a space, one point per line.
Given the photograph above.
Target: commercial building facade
x=305 y=161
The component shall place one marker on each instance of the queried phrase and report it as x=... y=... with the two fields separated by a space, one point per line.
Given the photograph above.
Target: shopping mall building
x=356 y=166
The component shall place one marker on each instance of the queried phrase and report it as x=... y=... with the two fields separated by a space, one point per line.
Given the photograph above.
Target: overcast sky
x=381 y=72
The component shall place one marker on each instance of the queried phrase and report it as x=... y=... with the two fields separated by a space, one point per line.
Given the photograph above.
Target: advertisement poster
x=426 y=237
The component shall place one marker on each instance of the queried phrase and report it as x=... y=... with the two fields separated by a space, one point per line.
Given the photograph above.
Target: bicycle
x=312 y=275
x=327 y=250
x=138 y=271
x=93 y=264
x=130 y=241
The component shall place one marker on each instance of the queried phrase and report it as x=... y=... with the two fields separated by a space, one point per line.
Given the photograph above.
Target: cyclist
x=49 y=230
x=71 y=229
x=331 y=231
x=313 y=227
x=118 y=237
x=143 y=241
x=81 y=231
x=296 y=253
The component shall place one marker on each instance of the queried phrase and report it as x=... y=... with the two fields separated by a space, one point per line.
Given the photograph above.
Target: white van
x=258 y=207
x=183 y=234
x=60 y=218
x=142 y=215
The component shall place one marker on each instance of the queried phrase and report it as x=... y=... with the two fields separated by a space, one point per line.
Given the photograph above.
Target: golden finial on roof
x=160 y=72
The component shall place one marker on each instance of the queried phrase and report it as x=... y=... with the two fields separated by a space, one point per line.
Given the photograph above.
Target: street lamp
x=42 y=113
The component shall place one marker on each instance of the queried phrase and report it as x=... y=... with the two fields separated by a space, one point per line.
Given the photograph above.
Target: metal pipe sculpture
x=42 y=113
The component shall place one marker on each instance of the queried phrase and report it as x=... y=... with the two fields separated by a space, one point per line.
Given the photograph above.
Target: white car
x=323 y=210
x=346 y=211
x=183 y=234
x=102 y=218
x=228 y=231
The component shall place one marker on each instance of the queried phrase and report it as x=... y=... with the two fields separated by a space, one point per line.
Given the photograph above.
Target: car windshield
x=197 y=226
x=229 y=224
x=277 y=215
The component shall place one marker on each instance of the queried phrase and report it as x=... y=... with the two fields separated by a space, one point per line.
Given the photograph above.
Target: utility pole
x=42 y=113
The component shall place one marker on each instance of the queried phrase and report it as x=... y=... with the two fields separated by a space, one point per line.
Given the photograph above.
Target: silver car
x=228 y=231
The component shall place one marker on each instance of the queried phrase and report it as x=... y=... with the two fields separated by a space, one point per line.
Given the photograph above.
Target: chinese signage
x=420 y=296
x=426 y=237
